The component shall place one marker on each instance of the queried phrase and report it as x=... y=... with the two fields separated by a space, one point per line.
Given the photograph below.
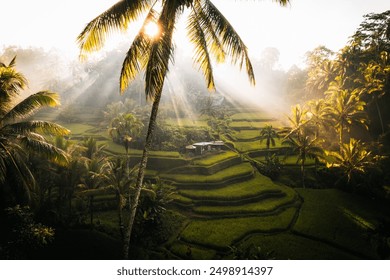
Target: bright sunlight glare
x=152 y=29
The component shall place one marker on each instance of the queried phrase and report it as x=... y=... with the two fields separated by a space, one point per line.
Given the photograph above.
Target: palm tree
x=118 y=177
x=92 y=182
x=212 y=110
x=269 y=134
x=317 y=116
x=19 y=137
x=305 y=148
x=124 y=128
x=298 y=122
x=345 y=109
x=375 y=75
x=320 y=78
x=209 y=31
x=352 y=159
x=91 y=148
x=219 y=127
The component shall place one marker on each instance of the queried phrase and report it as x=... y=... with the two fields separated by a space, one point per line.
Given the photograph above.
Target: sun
x=152 y=29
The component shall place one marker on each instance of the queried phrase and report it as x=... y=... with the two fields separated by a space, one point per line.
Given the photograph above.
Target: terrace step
x=266 y=206
x=236 y=173
x=206 y=170
x=219 y=233
x=238 y=202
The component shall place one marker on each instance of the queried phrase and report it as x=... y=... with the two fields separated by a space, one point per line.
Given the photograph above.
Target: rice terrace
x=143 y=152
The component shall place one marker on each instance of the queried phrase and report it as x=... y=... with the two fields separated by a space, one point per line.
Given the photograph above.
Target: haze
x=292 y=31
x=302 y=26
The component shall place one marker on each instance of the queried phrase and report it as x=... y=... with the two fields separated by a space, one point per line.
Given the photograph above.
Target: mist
x=94 y=83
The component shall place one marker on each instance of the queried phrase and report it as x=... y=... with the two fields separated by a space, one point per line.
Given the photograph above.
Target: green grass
x=211 y=159
x=78 y=128
x=220 y=233
x=109 y=222
x=186 y=122
x=340 y=218
x=253 y=124
x=113 y=148
x=236 y=171
x=249 y=146
x=184 y=201
x=119 y=149
x=109 y=218
x=263 y=206
x=247 y=134
x=285 y=246
x=246 y=125
x=186 y=251
x=289 y=160
x=255 y=186
x=250 y=116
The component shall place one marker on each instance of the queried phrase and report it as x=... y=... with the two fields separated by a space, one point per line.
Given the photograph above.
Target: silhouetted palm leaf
x=116 y=18
x=18 y=140
x=31 y=104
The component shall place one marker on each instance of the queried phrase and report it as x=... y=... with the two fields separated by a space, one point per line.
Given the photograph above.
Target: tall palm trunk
x=140 y=178
x=120 y=214
x=379 y=115
x=303 y=173
x=91 y=209
x=341 y=136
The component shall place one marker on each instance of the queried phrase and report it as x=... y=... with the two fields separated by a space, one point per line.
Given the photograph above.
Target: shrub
x=21 y=235
x=271 y=167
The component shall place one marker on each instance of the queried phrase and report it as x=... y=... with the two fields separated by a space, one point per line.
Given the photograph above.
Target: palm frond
x=231 y=41
x=11 y=83
x=214 y=44
x=37 y=126
x=31 y=104
x=118 y=17
x=44 y=149
x=161 y=52
x=13 y=162
x=201 y=57
x=137 y=56
x=12 y=62
x=282 y=2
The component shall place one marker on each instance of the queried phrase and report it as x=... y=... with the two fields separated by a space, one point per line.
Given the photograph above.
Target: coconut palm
x=352 y=159
x=124 y=128
x=211 y=109
x=269 y=134
x=91 y=148
x=373 y=81
x=305 y=148
x=320 y=78
x=20 y=137
x=298 y=122
x=208 y=30
x=345 y=108
x=118 y=177
x=92 y=182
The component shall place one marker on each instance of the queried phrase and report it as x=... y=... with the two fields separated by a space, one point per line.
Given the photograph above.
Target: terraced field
x=231 y=206
x=226 y=205
x=225 y=200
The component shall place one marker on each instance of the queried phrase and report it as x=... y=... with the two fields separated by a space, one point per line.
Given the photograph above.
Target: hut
x=201 y=147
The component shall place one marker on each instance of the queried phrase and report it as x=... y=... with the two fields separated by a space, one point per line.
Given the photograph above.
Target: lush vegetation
x=119 y=177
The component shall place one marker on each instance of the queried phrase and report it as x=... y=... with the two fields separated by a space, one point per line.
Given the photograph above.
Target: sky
x=293 y=30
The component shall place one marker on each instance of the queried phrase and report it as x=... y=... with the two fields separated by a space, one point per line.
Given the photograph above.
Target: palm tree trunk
x=380 y=116
x=91 y=209
x=120 y=215
x=341 y=137
x=140 y=178
x=303 y=173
